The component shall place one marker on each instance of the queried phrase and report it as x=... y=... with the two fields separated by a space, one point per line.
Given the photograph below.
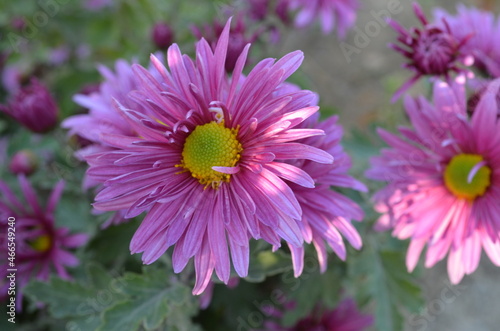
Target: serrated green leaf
x=150 y=301
x=64 y=298
x=380 y=275
x=80 y=303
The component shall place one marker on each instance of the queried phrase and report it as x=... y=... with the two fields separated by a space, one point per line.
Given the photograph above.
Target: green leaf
x=312 y=288
x=266 y=263
x=67 y=299
x=151 y=302
x=379 y=274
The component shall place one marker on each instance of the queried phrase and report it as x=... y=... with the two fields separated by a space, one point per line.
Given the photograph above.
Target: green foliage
x=378 y=275
x=266 y=263
x=312 y=288
x=151 y=300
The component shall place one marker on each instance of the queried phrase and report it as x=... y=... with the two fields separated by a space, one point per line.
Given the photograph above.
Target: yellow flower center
x=41 y=244
x=211 y=145
x=456 y=176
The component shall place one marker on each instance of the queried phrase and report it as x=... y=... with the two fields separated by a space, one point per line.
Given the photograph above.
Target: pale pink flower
x=444 y=179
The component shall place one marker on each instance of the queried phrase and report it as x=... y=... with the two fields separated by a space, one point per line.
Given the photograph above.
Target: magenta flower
x=482 y=30
x=326 y=214
x=209 y=159
x=33 y=107
x=431 y=51
x=330 y=12
x=40 y=246
x=102 y=117
x=345 y=317
x=444 y=180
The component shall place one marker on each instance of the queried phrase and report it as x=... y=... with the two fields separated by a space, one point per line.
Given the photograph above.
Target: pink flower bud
x=24 y=162
x=33 y=107
x=162 y=35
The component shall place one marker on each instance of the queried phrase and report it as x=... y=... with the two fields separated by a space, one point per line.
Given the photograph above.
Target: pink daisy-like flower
x=326 y=214
x=102 y=117
x=341 y=13
x=444 y=180
x=39 y=245
x=482 y=31
x=209 y=159
x=432 y=51
x=345 y=317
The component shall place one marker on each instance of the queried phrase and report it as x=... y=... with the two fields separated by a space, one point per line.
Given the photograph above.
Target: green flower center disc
x=457 y=173
x=211 y=145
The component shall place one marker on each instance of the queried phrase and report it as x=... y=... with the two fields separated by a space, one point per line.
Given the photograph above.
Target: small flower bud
x=162 y=35
x=24 y=162
x=33 y=107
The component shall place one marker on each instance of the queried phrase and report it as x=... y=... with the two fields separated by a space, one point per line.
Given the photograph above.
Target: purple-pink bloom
x=339 y=14
x=344 y=317
x=444 y=179
x=482 y=31
x=102 y=117
x=33 y=106
x=40 y=246
x=432 y=50
x=326 y=214
x=209 y=159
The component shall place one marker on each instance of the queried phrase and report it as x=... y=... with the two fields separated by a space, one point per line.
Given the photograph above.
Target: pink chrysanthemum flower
x=39 y=245
x=331 y=13
x=102 y=117
x=209 y=159
x=432 y=51
x=326 y=214
x=345 y=317
x=444 y=180
x=482 y=30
